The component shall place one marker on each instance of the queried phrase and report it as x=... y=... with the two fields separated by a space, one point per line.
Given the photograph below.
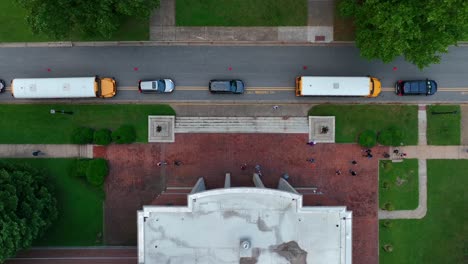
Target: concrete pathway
x=49 y=151
x=464 y=124
x=423 y=152
x=319 y=29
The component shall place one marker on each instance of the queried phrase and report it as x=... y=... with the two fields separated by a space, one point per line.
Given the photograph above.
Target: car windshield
x=161 y=86
x=233 y=85
x=429 y=87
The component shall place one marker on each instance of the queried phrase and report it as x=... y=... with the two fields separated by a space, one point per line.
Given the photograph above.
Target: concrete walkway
x=49 y=150
x=422 y=152
x=319 y=29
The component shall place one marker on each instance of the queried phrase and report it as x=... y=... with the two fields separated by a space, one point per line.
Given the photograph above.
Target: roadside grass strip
x=440 y=237
x=15 y=28
x=351 y=120
x=34 y=124
x=443 y=125
x=241 y=13
x=80 y=206
x=398 y=184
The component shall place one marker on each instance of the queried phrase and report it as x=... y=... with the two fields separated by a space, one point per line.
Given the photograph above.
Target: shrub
x=392 y=136
x=125 y=134
x=97 y=171
x=388 y=224
x=367 y=138
x=388 y=247
x=82 y=135
x=388 y=206
x=102 y=137
x=80 y=168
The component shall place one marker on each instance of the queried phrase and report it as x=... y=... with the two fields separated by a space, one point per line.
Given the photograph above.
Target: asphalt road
x=268 y=71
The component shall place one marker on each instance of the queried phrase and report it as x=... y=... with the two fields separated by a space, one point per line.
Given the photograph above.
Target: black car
x=226 y=86
x=2 y=86
x=427 y=87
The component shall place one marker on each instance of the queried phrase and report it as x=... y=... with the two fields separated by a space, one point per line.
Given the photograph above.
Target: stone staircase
x=241 y=125
x=85 y=151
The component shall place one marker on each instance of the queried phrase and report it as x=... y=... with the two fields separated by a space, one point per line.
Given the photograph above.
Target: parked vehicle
x=427 y=87
x=227 y=86
x=2 y=86
x=337 y=86
x=80 y=87
x=156 y=86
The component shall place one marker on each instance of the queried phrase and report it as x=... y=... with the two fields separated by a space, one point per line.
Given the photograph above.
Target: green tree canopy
x=420 y=30
x=59 y=18
x=27 y=207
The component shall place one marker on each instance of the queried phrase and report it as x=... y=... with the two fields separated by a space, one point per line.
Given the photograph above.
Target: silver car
x=156 y=86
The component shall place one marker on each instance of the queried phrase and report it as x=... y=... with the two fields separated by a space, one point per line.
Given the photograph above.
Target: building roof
x=244 y=225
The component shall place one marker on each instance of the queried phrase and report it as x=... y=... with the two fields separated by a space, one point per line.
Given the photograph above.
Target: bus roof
x=80 y=87
x=335 y=86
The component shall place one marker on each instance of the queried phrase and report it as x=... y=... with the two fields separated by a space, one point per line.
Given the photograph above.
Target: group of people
x=164 y=163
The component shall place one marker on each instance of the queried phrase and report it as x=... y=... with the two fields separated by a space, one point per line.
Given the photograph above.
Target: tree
x=82 y=135
x=102 y=137
x=420 y=30
x=27 y=207
x=391 y=136
x=61 y=18
x=97 y=171
x=368 y=138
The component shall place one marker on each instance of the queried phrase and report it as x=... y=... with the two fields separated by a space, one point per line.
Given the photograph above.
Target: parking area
x=135 y=179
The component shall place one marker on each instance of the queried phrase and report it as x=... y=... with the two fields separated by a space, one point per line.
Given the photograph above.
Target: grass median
x=440 y=237
x=241 y=13
x=33 y=123
x=398 y=184
x=80 y=206
x=351 y=120
x=443 y=125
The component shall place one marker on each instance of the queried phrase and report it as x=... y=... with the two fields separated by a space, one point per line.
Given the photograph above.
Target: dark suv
x=427 y=87
x=227 y=86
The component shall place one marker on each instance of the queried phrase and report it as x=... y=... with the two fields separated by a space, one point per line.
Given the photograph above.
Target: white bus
x=80 y=87
x=337 y=86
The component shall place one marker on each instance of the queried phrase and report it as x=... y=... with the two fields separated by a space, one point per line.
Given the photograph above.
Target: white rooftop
x=244 y=225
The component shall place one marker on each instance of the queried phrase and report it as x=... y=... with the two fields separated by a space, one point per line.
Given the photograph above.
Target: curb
x=70 y=44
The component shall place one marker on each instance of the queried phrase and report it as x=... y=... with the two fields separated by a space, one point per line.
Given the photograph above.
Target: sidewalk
x=319 y=29
x=49 y=150
x=422 y=152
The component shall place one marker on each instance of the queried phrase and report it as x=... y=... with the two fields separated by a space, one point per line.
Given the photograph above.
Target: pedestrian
x=177 y=162
x=161 y=163
x=243 y=166
x=36 y=153
x=369 y=156
x=402 y=155
x=310 y=160
x=275 y=107
x=354 y=162
x=386 y=155
x=311 y=143
x=395 y=151
x=338 y=172
x=353 y=173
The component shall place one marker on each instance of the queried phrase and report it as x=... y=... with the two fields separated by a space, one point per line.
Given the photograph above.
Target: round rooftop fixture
x=245 y=244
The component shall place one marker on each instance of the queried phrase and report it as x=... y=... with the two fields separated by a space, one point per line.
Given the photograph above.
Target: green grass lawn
x=27 y=124
x=15 y=29
x=440 y=237
x=350 y=120
x=443 y=129
x=398 y=184
x=241 y=13
x=80 y=206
